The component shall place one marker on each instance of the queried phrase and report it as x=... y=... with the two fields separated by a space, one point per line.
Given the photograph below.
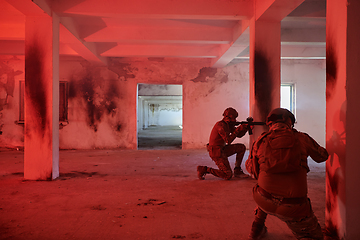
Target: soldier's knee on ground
x=305 y=228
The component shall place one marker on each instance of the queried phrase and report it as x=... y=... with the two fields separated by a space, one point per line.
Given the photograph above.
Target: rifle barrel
x=250 y=123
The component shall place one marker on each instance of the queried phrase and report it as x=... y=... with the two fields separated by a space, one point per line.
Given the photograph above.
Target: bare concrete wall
x=12 y=70
x=309 y=77
x=102 y=106
x=207 y=96
x=102 y=103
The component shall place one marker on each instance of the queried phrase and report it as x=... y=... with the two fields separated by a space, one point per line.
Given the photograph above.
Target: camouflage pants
x=220 y=154
x=299 y=218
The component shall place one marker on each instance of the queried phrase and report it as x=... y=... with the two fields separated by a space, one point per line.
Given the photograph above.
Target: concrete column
x=342 y=114
x=264 y=70
x=41 y=157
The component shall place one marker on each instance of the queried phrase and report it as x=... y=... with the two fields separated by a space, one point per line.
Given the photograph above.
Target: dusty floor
x=155 y=137
x=134 y=194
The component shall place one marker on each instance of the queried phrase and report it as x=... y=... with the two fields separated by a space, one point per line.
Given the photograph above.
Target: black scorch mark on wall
x=35 y=84
x=93 y=112
x=331 y=69
x=111 y=95
x=118 y=127
x=97 y=104
x=263 y=84
x=204 y=73
x=331 y=231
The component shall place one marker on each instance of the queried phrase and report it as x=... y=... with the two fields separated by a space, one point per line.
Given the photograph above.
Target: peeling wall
x=12 y=70
x=96 y=107
x=207 y=95
x=102 y=103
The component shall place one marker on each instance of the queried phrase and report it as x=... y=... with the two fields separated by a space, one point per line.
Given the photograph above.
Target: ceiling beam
x=274 y=10
x=203 y=35
x=240 y=43
x=163 y=50
x=27 y=7
x=184 y=9
x=85 y=50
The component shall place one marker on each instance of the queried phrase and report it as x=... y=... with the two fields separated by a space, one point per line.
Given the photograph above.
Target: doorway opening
x=159 y=116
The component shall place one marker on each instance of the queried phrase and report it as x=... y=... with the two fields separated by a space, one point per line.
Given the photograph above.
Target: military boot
x=238 y=172
x=201 y=172
x=258 y=231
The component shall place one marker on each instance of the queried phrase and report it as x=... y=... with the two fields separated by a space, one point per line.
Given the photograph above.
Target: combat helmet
x=280 y=115
x=230 y=112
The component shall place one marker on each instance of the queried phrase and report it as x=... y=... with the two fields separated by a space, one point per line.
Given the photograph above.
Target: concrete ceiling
x=211 y=30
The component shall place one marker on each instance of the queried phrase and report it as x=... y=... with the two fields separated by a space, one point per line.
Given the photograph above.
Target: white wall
x=208 y=95
x=309 y=77
x=102 y=103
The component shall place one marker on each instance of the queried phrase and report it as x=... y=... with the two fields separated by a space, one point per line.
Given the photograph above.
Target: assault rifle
x=250 y=122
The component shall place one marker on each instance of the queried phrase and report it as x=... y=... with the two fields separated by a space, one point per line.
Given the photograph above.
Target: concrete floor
x=160 y=137
x=134 y=194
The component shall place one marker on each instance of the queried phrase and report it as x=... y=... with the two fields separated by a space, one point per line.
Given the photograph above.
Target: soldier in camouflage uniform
x=282 y=191
x=220 y=148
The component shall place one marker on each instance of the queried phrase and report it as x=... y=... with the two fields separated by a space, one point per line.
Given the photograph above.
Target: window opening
x=287 y=97
x=63 y=101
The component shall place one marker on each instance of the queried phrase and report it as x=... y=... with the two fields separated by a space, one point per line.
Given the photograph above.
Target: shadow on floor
x=160 y=137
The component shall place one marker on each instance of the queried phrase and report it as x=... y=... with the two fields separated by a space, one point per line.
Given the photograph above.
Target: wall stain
x=111 y=95
x=100 y=97
x=204 y=73
x=35 y=86
x=123 y=70
x=335 y=172
x=7 y=86
x=94 y=113
x=331 y=231
x=263 y=84
x=10 y=74
x=224 y=79
x=331 y=69
x=118 y=127
x=72 y=88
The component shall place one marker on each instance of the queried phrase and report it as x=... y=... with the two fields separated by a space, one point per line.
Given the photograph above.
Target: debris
x=98 y=207
x=178 y=236
x=151 y=202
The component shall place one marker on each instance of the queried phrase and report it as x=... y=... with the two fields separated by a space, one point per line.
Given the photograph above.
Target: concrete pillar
x=264 y=70
x=342 y=118
x=41 y=157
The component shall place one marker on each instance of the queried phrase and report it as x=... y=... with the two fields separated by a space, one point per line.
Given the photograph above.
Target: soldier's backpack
x=282 y=152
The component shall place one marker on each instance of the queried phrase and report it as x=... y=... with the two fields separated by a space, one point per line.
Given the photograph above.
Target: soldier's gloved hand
x=241 y=130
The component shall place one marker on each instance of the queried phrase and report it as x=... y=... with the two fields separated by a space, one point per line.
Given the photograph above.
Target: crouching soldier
x=278 y=160
x=220 y=148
